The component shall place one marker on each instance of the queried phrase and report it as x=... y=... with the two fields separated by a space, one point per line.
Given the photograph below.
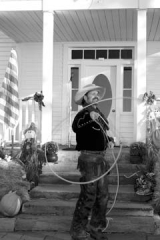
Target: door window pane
x=74 y=86
x=101 y=54
x=127 y=89
x=74 y=105
x=114 y=54
x=126 y=54
x=74 y=77
x=127 y=94
x=89 y=54
x=127 y=79
x=77 y=54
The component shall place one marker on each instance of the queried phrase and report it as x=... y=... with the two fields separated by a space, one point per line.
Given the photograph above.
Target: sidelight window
x=127 y=89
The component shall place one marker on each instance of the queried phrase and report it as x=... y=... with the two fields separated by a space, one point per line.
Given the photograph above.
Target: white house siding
x=30 y=68
x=126 y=128
x=30 y=78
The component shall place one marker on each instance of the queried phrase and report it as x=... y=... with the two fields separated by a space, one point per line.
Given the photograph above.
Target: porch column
x=47 y=81
x=140 y=124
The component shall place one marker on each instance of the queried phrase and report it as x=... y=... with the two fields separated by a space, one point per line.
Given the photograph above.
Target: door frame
x=81 y=65
x=68 y=62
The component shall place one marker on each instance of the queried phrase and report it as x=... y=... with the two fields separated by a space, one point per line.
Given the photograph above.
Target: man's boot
x=97 y=234
x=78 y=232
x=79 y=235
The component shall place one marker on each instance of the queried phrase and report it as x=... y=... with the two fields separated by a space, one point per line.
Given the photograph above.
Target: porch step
x=72 y=156
x=67 y=162
x=66 y=208
x=53 y=201
x=26 y=222
x=68 y=192
x=72 y=167
x=51 y=178
x=56 y=215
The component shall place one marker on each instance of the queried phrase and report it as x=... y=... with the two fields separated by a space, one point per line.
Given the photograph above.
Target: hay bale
x=12 y=178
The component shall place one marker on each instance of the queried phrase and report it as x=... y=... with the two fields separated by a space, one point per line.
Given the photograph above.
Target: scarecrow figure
x=32 y=157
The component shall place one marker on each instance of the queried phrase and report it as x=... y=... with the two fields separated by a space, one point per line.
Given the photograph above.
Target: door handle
x=113 y=110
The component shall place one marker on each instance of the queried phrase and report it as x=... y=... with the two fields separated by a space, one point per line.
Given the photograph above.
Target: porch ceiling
x=80 y=25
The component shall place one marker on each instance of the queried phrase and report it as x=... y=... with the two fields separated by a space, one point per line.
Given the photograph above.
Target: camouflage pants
x=93 y=197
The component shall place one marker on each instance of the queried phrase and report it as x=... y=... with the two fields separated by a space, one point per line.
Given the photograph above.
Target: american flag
x=9 y=98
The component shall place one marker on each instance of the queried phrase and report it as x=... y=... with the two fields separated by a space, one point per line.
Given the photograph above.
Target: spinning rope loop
x=98 y=178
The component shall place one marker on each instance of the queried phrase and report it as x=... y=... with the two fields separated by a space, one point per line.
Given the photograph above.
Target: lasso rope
x=115 y=198
x=98 y=178
x=94 y=180
x=132 y=175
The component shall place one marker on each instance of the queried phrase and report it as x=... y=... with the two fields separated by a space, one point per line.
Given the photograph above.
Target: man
x=90 y=126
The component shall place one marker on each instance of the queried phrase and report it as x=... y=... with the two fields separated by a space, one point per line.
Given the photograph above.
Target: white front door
x=104 y=76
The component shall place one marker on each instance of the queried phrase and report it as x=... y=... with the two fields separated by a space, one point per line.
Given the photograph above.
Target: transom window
x=102 y=53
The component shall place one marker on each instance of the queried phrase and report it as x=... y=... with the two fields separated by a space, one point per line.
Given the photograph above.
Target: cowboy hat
x=90 y=87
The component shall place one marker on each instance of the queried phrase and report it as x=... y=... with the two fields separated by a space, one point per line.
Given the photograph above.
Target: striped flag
x=9 y=98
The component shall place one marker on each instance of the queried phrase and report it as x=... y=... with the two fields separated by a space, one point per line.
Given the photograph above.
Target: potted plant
x=146 y=181
x=138 y=152
x=51 y=150
x=144 y=185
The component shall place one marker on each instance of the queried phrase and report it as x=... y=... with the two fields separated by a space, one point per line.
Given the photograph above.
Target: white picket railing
x=29 y=112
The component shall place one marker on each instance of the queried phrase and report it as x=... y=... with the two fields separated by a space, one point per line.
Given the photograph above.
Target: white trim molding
x=23 y=5
x=47 y=82
x=140 y=121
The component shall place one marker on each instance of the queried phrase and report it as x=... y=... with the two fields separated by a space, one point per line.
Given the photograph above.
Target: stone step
x=67 y=162
x=136 y=224
x=72 y=156
x=37 y=235
x=66 y=208
x=67 y=192
x=72 y=167
x=54 y=235
x=51 y=178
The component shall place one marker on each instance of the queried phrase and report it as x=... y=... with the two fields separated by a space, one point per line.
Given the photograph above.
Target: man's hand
x=111 y=145
x=94 y=115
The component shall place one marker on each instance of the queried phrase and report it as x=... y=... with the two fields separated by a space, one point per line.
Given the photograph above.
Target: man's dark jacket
x=90 y=135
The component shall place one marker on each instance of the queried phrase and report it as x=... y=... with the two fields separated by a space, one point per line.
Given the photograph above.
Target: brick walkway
x=64 y=236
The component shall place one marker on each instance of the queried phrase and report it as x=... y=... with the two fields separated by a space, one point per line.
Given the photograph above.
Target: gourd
x=10 y=204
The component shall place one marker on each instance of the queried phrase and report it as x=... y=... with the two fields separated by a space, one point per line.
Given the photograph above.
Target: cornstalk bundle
x=13 y=178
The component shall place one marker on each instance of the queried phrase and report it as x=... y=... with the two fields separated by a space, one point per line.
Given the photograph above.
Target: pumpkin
x=10 y=204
